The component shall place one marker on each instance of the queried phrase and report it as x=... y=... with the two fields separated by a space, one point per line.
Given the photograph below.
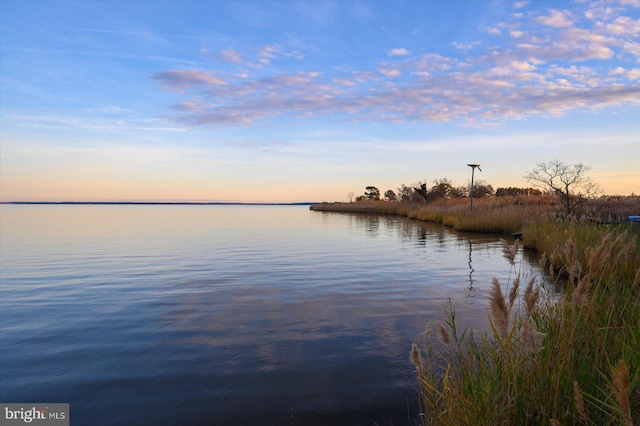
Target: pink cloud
x=184 y=79
x=390 y=72
x=541 y=72
x=399 y=52
x=624 y=25
x=556 y=19
x=272 y=51
x=517 y=92
x=229 y=56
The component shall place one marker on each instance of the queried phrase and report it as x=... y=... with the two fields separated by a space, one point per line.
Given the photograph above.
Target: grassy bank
x=568 y=359
x=500 y=215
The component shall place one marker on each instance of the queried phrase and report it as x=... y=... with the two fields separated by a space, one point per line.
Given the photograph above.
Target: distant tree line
x=420 y=192
x=513 y=191
x=570 y=183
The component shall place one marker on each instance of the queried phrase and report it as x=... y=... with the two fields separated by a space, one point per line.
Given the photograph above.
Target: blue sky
x=307 y=101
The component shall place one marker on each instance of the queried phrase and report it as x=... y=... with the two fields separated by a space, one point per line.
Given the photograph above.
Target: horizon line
x=165 y=203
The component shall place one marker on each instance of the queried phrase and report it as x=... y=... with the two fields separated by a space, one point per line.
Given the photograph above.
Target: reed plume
x=532 y=338
x=531 y=297
x=626 y=251
x=618 y=242
x=427 y=332
x=499 y=309
x=597 y=256
x=513 y=293
x=576 y=271
x=581 y=292
x=416 y=359
x=579 y=401
x=569 y=252
x=620 y=389
x=443 y=334
x=510 y=251
x=543 y=260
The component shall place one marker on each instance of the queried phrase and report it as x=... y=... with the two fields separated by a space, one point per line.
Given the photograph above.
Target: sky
x=294 y=101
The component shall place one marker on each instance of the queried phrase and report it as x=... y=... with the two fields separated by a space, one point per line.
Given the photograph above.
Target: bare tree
x=569 y=182
x=405 y=193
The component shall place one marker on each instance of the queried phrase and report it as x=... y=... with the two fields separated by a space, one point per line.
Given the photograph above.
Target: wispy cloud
x=185 y=79
x=270 y=52
x=540 y=69
x=464 y=46
x=229 y=55
x=399 y=52
x=101 y=124
x=390 y=72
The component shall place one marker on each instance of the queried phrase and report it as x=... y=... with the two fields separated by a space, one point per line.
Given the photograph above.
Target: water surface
x=228 y=315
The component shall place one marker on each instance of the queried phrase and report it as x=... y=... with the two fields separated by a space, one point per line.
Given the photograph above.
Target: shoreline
x=496 y=215
x=450 y=214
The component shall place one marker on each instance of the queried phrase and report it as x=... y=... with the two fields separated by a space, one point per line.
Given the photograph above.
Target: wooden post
x=473 y=169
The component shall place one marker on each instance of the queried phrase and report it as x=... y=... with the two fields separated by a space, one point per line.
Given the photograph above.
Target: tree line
x=441 y=188
x=570 y=183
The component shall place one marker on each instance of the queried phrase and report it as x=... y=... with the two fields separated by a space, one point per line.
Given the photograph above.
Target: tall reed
x=570 y=359
x=490 y=215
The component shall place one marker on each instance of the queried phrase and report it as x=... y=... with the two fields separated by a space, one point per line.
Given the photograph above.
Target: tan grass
x=510 y=251
x=531 y=338
x=580 y=295
x=620 y=389
x=443 y=334
x=499 y=310
x=579 y=401
x=544 y=364
x=416 y=359
x=513 y=293
x=531 y=297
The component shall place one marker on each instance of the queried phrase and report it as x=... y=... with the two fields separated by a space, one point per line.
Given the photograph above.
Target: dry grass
x=500 y=215
x=570 y=360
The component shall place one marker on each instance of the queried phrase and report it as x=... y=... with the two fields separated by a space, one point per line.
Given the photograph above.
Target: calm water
x=227 y=315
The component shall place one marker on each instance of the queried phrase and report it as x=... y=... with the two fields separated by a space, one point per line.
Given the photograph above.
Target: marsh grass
x=561 y=358
x=571 y=247
x=570 y=359
x=500 y=215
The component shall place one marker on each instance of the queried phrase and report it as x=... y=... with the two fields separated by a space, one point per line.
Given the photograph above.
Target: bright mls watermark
x=41 y=414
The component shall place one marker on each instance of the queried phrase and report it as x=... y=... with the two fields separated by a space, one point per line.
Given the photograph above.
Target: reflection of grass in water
x=495 y=215
x=572 y=360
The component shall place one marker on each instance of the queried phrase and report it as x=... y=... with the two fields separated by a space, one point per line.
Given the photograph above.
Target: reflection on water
x=228 y=314
x=470 y=290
